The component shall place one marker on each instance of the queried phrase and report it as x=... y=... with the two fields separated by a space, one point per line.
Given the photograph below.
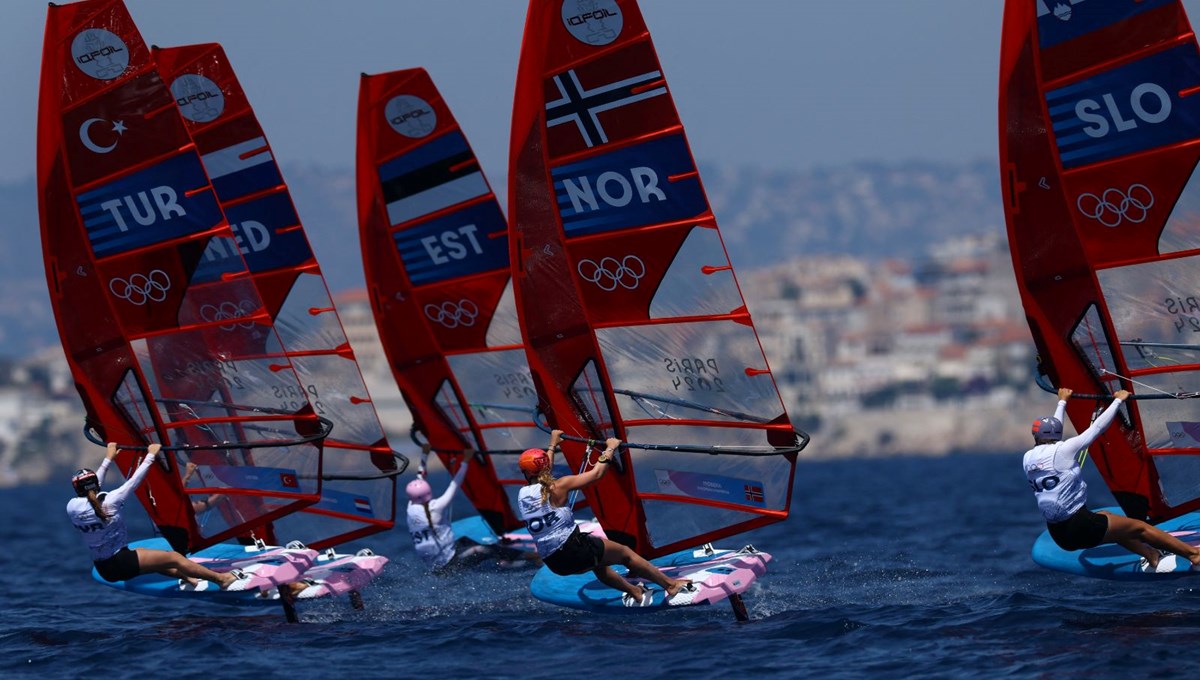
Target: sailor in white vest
x=1052 y=467
x=432 y=535
x=97 y=515
x=563 y=547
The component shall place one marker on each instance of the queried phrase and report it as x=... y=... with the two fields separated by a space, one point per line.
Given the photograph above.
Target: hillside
x=873 y=211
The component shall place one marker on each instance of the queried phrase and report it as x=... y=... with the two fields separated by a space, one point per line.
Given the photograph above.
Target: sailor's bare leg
x=159 y=561
x=1122 y=530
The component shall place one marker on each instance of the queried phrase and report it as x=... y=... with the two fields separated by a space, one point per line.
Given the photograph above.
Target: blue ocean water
x=888 y=568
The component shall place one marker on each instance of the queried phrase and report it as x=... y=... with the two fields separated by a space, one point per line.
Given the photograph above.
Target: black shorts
x=120 y=567
x=1085 y=529
x=580 y=553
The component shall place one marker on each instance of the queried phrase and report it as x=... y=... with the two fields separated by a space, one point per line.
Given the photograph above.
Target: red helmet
x=533 y=461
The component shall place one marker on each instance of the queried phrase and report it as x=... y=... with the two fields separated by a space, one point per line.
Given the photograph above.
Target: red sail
x=357 y=495
x=633 y=319
x=1098 y=148
x=435 y=252
x=127 y=215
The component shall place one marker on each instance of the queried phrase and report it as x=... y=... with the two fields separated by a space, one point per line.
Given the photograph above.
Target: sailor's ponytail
x=545 y=479
x=97 y=507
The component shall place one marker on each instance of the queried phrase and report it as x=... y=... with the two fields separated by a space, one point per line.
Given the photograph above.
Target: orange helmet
x=533 y=461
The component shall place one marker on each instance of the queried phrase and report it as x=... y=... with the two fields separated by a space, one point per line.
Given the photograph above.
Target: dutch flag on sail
x=363 y=505
x=433 y=177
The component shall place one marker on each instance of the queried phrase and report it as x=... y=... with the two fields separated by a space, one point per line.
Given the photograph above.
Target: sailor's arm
x=118 y=497
x=455 y=482
x=422 y=471
x=1075 y=444
x=109 y=455
x=1060 y=411
x=572 y=482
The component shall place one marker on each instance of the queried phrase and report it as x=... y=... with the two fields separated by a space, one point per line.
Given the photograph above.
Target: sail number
x=694 y=374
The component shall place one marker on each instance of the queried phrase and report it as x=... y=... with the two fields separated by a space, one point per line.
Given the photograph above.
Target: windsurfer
x=1052 y=467
x=432 y=535
x=566 y=550
x=201 y=504
x=97 y=515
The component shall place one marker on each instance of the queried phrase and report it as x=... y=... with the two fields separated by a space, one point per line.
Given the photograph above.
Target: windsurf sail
x=435 y=253
x=359 y=468
x=127 y=215
x=633 y=320
x=1099 y=132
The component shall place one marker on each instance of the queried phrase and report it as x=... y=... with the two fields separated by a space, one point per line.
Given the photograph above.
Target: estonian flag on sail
x=435 y=176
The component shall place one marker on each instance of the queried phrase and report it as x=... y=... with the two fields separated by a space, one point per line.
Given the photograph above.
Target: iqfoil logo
x=410 y=115
x=594 y=22
x=100 y=53
x=199 y=99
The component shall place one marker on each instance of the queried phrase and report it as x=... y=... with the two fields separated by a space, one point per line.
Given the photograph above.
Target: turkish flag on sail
x=120 y=129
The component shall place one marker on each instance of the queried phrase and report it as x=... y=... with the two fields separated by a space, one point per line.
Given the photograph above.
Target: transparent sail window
x=1155 y=311
x=587 y=394
x=1091 y=342
x=699 y=281
x=704 y=370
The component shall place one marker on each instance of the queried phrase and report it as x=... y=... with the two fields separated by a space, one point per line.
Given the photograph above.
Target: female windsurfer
x=566 y=550
x=432 y=535
x=97 y=515
x=1052 y=467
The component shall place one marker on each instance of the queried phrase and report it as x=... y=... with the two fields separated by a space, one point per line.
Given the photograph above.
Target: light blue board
x=1111 y=561
x=158 y=585
x=474 y=528
x=716 y=576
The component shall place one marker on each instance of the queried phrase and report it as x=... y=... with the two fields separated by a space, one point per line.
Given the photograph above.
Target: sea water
x=889 y=568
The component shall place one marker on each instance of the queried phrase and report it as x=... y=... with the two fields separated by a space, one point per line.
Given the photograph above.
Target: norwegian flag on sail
x=754 y=493
x=617 y=97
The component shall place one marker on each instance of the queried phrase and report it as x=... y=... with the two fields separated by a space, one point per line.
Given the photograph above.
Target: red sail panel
x=633 y=318
x=1098 y=148
x=127 y=215
x=356 y=498
x=435 y=252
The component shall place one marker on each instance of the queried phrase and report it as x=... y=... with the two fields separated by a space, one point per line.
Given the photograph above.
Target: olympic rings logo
x=228 y=310
x=1115 y=206
x=453 y=314
x=142 y=288
x=611 y=272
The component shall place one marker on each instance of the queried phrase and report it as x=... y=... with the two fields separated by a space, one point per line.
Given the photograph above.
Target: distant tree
x=945 y=387
x=881 y=398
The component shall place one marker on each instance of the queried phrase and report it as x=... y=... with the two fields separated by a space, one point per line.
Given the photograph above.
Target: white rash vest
x=435 y=545
x=1053 y=469
x=549 y=526
x=105 y=538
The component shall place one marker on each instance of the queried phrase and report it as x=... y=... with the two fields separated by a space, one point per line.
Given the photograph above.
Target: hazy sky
x=779 y=83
